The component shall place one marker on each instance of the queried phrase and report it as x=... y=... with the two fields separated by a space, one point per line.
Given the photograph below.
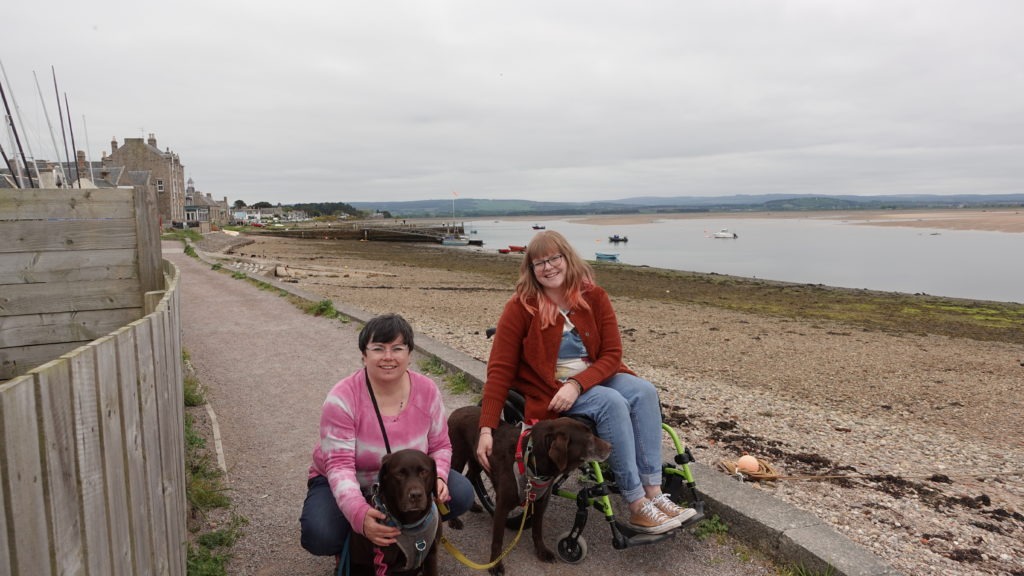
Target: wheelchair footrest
x=628 y=537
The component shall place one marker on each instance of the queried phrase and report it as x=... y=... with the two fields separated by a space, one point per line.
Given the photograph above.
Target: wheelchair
x=594 y=484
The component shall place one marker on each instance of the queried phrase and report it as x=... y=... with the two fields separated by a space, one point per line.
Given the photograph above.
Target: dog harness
x=531 y=485
x=416 y=538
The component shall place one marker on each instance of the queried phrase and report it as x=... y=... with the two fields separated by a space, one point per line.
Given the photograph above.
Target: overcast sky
x=577 y=100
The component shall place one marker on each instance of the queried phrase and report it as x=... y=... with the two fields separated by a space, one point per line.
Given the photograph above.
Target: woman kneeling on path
x=348 y=456
x=558 y=344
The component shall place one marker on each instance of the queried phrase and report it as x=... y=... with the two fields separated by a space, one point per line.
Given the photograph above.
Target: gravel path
x=267 y=367
x=928 y=427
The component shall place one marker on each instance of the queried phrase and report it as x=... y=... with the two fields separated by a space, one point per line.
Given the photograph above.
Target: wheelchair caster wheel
x=572 y=550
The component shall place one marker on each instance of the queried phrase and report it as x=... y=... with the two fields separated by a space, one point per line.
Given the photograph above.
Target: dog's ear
x=558 y=450
x=384 y=466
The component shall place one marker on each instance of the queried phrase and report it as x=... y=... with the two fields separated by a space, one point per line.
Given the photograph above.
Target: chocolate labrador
x=405 y=491
x=559 y=446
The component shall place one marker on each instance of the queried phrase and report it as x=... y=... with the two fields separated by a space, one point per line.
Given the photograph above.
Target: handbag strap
x=376 y=409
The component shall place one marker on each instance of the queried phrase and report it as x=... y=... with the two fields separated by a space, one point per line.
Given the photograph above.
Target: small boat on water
x=538 y=227
x=454 y=240
x=724 y=233
x=615 y=239
x=519 y=249
x=606 y=257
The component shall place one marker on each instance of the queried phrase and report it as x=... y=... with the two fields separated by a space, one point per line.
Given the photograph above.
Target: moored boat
x=514 y=248
x=615 y=239
x=606 y=256
x=724 y=233
x=504 y=250
x=538 y=227
x=454 y=241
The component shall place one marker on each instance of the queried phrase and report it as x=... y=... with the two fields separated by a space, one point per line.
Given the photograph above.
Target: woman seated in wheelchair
x=558 y=343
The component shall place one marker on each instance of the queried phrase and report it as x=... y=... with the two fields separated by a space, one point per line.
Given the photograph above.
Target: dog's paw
x=455 y=524
x=476 y=507
x=498 y=569
x=545 y=554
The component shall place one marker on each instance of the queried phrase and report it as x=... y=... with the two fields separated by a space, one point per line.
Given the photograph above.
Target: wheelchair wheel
x=571 y=550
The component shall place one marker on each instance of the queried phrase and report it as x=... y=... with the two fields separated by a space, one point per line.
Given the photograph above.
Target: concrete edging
x=781 y=531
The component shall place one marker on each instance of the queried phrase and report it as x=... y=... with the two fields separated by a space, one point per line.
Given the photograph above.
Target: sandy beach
x=926 y=427
x=993 y=220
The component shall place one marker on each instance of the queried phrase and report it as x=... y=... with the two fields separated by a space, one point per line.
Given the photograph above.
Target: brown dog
x=559 y=446
x=407 y=486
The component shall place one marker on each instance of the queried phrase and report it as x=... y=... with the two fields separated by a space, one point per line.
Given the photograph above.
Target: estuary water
x=954 y=263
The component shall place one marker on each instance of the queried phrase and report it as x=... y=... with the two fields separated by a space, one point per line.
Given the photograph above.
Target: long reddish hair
x=579 y=277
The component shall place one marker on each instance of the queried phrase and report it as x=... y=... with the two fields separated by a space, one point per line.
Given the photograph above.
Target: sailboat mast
x=49 y=126
x=21 y=123
x=7 y=161
x=85 y=127
x=17 y=140
x=60 y=114
x=71 y=129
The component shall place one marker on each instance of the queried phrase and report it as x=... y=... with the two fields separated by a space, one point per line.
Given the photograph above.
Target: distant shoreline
x=991 y=220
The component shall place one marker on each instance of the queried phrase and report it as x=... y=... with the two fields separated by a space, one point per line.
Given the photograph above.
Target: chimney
x=113 y=145
x=152 y=140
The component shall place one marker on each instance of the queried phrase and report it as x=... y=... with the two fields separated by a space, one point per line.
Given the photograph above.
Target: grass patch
x=709 y=527
x=216 y=266
x=239 y=275
x=459 y=383
x=801 y=570
x=193 y=392
x=182 y=234
x=212 y=531
x=212 y=550
x=432 y=365
x=324 y=308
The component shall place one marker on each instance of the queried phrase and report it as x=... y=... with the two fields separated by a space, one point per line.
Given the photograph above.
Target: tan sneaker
x=651 y=520
x=673 y=510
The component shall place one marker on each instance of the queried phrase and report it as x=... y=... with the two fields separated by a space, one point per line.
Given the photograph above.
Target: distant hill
x=475 y=207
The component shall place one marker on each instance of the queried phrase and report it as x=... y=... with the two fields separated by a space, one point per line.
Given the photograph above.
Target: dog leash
x=462 y=557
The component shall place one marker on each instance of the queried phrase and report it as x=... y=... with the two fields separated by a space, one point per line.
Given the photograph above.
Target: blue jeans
x=325 y=528
x=627 y=412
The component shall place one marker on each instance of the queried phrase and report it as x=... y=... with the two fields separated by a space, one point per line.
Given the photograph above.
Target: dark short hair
x=386 y=328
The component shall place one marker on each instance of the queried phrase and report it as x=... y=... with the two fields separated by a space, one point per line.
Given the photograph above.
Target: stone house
x=166 y=171
x=201 y=207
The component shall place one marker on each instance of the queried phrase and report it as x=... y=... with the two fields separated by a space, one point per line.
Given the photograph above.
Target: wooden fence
x=91 y=440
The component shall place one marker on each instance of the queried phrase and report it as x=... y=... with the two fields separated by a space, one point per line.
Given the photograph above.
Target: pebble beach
x=924 y=430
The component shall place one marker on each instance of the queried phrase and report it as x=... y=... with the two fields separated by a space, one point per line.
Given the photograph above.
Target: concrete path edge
x=783 y=532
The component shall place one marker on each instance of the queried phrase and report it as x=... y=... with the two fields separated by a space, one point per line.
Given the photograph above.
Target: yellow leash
x=462 y=557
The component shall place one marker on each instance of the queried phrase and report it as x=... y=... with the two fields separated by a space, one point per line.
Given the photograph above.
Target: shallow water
x=953 y=263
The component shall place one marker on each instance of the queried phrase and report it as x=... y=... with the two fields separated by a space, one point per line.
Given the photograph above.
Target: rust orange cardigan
x=523 y=355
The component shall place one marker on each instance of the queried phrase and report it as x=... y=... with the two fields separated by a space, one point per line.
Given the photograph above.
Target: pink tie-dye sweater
x=351 y=445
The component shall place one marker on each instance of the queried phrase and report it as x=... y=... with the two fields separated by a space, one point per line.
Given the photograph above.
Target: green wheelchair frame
x=595 y=492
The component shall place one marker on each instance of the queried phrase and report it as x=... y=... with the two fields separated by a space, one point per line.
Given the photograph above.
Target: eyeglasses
x=554 y=260
x=380 y=350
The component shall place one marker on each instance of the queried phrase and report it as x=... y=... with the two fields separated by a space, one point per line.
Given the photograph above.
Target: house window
x=159 y=185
